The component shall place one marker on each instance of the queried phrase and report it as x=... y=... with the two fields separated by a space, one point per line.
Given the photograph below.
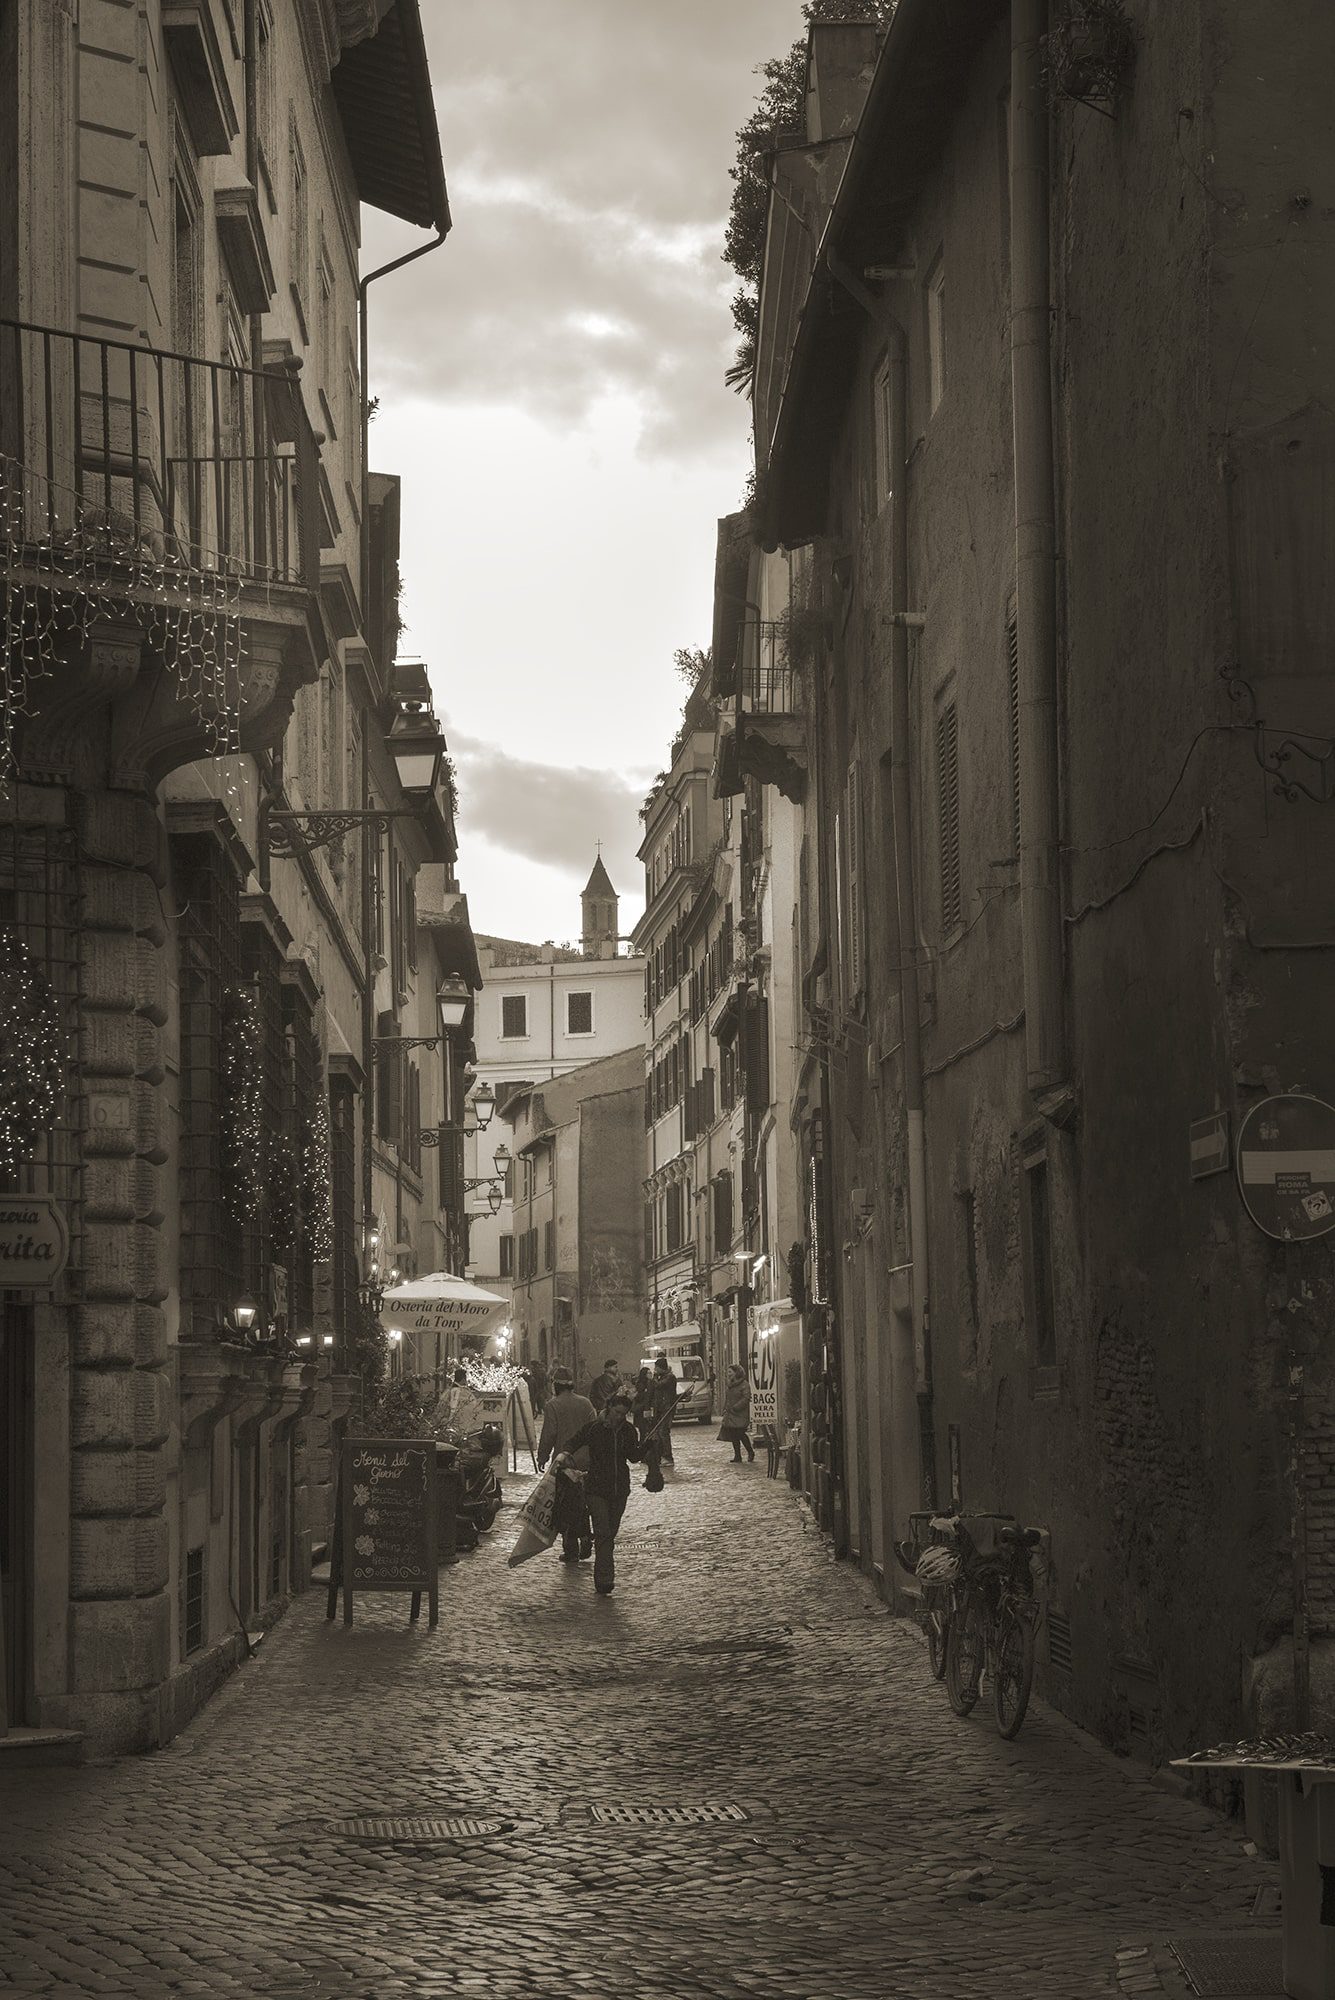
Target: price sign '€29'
x=764 y=1380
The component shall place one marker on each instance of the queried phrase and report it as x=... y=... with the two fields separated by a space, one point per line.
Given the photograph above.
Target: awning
x=442 y=1303
x=382 y=87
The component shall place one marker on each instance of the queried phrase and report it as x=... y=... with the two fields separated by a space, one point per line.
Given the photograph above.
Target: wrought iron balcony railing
x=766 y=680
x=162 y=463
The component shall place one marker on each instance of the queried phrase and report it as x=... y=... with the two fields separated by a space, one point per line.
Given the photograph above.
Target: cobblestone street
x=888 y=1848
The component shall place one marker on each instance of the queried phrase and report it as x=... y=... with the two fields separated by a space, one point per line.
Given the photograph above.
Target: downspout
x=255 y=328
x=1036 y=562
x=906 y=897
x=363 y=354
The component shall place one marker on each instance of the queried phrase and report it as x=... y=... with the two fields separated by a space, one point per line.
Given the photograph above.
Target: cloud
x=552 y=814
x=587 y=148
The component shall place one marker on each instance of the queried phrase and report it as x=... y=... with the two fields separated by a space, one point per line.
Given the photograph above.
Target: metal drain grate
x=1244 y=1965
x=452 y=1827
x=667 y=1815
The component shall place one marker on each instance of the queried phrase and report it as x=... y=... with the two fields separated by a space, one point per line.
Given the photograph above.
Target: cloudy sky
x=551 y=391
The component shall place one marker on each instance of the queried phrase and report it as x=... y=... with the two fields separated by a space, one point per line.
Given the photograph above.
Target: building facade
x=1044 y=429
x=543 y=1011
x=219 y=789
x=578 y=1292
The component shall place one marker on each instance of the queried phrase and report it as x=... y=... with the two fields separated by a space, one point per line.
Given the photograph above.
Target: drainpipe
x=901 y=820
x=363 y=352
x=1035 y=559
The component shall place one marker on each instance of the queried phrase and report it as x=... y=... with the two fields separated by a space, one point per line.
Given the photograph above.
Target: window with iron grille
x=192 y=1612
x=302 y=1087
x=1013 y=713
x=514 y=1016
x=343 y=1175
x=209 y=965
x=267 y=1237
x=948 y=815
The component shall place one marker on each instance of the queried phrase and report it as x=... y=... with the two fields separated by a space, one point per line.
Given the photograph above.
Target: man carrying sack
x=565 y=1414
x=599 y=1458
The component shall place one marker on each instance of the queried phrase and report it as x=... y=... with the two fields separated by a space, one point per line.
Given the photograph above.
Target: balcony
x=766 y=739
x=167 y=498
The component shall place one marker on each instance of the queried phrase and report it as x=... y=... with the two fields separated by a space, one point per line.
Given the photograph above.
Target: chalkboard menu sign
x=388 y=1517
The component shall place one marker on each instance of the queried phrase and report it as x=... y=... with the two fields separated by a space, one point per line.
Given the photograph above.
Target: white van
x=695 y=1391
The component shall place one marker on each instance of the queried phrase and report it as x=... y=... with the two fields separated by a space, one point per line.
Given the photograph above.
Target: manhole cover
x=461 y=1827
x=667 y=1815
x=1243 y=1965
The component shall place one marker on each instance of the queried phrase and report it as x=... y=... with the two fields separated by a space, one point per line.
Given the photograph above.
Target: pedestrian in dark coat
x=608 y=1446
x=665 y=1400
x=737 y=1415
x=567 y=1413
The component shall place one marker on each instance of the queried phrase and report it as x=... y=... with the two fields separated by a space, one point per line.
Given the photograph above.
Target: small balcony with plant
x=761 y=731
x=160 y=519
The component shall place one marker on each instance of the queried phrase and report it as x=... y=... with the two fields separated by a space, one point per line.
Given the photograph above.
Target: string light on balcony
x=69 y=564
x=317 y=1181
x=242 y=1118
x=32 y=1074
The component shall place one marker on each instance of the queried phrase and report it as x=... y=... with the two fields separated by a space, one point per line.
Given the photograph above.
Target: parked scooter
x=481 y=1498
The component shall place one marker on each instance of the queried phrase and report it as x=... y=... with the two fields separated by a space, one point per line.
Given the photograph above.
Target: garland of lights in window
x=317 y=1182
x=60 y=575
x=33 y=1072
x=282 y=1209
x=242 y=1117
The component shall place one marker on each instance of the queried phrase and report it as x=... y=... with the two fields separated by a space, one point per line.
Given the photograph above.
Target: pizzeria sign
x=34 y=1242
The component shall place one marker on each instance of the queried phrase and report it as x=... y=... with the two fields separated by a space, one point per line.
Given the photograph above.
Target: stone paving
x=890 y=1850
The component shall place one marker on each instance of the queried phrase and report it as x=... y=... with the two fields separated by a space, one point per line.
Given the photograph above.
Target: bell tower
x=599 y=904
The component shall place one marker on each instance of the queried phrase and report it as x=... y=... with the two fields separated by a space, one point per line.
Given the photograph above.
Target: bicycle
x=935 y=1569
x=992 y=1626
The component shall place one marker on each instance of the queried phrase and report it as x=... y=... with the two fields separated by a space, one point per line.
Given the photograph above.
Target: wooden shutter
x=948 y=815
x=853 y=827
x=1013 y=699
x=756 y=1056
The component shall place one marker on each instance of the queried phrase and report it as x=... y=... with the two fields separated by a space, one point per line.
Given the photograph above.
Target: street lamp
x=483 y=1101
x=417 y=747
x=453 y=998
x=502 y=1156
x=245 y=1313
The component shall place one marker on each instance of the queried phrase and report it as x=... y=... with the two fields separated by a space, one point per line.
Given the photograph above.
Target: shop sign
x=1286 y=1167
x=34 y=1242
x=764 y=1373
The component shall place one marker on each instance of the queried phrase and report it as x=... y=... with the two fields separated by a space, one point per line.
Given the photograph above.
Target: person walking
x=665 y=1400
x=565 y=1414
x=537 y=1385
x=610 y=1445
x=737 y=1415
x=604 y=1385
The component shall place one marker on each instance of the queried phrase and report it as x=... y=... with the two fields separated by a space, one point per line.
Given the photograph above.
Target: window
x=299 y=244
x=1013 y=699
x=853 y=844
x=968 y=1224
x=883 y=433
x=722 y=1215
x=186 y=293
x=1038 y=1259
x=936 y=334
x=579 y=1013
x=507 y=1256
x=514 y=1017
x=948 y=816
x=324 y=325
x=192 y=1623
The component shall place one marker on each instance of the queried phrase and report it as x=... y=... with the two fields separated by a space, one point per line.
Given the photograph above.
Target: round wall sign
x=1286 y=1167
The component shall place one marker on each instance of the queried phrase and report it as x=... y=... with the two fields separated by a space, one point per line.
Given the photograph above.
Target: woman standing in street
x=737 y=1415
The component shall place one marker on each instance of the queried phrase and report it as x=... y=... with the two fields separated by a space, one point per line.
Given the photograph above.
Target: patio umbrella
x=442 y=1303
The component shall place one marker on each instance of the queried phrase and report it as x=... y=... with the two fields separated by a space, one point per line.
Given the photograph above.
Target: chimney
x=841 y=58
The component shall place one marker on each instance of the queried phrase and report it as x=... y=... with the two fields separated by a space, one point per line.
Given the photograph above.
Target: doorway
x=16 y=1508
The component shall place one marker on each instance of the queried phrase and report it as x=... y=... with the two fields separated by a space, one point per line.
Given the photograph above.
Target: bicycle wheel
x=965 y=1654
x=1015 y=1672
x=938 y=1634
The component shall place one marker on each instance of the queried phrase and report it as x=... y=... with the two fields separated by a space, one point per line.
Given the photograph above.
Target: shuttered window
x=507 y=1256
x=853 y=835
x=579 y=1013
x=514 y=1016
x=1013 y=711
x=948 y=815
x=549 y=1246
